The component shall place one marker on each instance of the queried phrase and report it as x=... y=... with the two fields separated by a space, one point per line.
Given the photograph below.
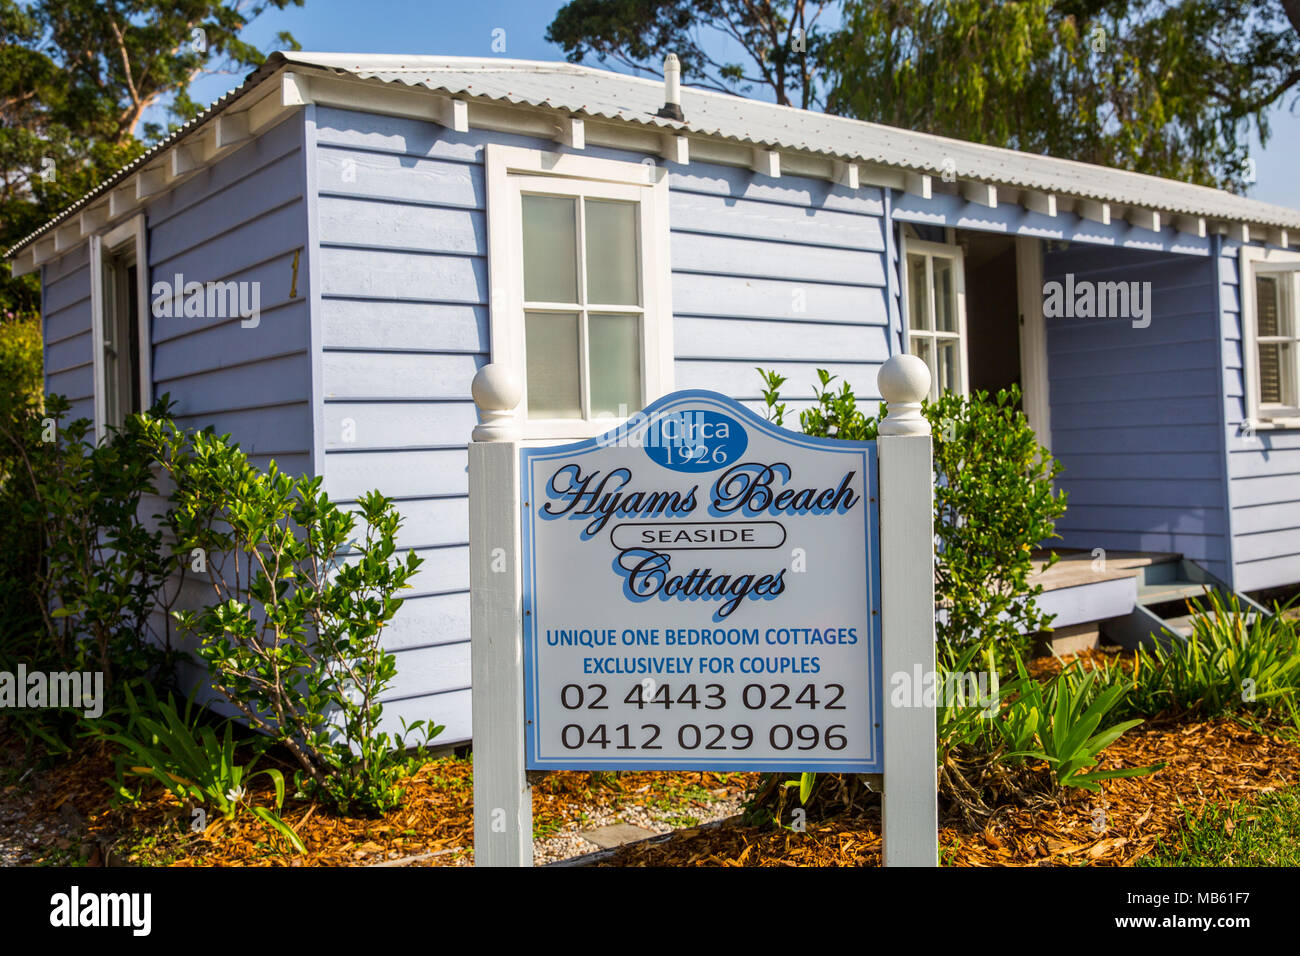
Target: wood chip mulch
x=70 y=810
x=1216 y=761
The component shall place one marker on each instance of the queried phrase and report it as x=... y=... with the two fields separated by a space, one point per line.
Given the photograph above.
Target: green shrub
x=20 y=397
x=21 y=364
x=97 y=569
x=293 y=634
x=994 y=502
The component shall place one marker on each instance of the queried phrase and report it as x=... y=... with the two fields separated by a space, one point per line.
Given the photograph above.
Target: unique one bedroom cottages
x=370 y=230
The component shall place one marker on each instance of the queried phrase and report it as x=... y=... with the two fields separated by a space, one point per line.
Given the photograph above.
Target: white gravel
x=567 y=843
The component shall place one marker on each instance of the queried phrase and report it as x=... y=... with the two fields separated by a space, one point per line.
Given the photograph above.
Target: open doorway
x=992 y=311
x=973 y=305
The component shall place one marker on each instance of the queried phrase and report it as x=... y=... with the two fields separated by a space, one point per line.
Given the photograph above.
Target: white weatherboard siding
x=782 y=273
x=242 y=220
x=69 y=349
x=1135 y=418
x=1263 y=466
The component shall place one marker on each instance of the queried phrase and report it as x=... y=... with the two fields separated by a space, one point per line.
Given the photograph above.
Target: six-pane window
x=936 y=314
x=583 y=306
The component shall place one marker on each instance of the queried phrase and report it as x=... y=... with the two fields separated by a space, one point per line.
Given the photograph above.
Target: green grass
x=1265 y=832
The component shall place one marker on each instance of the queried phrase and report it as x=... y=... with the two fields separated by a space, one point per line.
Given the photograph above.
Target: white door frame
x=1033 y=338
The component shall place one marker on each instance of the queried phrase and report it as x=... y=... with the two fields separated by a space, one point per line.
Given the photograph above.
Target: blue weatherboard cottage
x=319 y=263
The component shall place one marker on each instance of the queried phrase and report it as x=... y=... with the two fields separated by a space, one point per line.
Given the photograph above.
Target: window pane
x=550 y=244
x=611 y=253
x=615 y=363
x=554 y=382
x=1267 y=295
x=945 y=296
x=916 y=292
x=923 y=348
x=949 y=361
x=1276 y=379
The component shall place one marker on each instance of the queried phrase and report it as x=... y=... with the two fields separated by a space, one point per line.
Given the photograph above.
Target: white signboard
x=701 y=591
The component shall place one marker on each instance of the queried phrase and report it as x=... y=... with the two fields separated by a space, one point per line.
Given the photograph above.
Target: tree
x=1167 y=88
x=781 y=39
x=76 y=80
x=1157 y=86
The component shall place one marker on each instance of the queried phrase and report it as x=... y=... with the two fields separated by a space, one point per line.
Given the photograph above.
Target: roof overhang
x=577 y=105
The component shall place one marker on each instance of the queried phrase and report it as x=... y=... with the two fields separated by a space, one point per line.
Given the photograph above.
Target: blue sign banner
x=702 y=592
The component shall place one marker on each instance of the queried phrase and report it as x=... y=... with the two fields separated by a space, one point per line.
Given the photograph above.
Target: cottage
x=320 y=262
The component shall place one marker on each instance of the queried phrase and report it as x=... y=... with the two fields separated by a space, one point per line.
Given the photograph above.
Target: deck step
x=1182 y=626
x=1166 y=591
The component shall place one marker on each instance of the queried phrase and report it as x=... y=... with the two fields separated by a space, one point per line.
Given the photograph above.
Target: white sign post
x=910 y=801
x=699 y=589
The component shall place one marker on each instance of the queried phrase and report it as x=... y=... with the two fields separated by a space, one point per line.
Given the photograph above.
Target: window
x=935 y=300
x=1271 y=336
x=123 y=383
x=580 y=304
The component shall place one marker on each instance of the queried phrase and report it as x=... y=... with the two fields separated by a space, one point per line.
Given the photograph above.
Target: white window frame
x=1254 y=260
x=128 y=236
x=931 y=251
x=513 y=170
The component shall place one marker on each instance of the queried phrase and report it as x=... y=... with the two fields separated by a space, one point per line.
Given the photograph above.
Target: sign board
x=701 y=591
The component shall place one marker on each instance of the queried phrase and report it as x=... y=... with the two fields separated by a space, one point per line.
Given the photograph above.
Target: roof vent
x=672 y=108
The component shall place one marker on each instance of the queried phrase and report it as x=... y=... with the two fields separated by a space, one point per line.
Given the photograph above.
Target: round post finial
x=904 y=382
x=496 y=390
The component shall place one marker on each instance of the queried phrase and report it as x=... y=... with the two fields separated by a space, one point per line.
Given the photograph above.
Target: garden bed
x=1207 y=765
x=63 y=815
x=66 y=811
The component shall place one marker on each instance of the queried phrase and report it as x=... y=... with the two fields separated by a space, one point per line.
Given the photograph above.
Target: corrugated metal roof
x=599 y=93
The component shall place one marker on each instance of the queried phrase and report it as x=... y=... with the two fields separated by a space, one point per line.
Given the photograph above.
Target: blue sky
x=465 y=28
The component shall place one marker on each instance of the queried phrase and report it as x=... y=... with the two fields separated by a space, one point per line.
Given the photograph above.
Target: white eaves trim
x=153 y=175
x=578 y=106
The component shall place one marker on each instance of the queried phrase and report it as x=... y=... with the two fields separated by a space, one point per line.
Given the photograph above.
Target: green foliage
x=1234 y=661
x=780 y=41
x=98 y=568
x=293 y=634
x=1257 y=833
x=986 y=747
x=190 y=760
x=20 y=370
x=994 y=502
x=76 y=79
x=21 y=364
x=1060 y=721
x=1167 y=88
x=1170 y=88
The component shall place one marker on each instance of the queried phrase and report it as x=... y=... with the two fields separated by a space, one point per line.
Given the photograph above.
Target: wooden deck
x=1075 y=568
x=1082 y=595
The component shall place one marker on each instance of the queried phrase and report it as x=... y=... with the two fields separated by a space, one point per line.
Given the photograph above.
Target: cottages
x=320 y=262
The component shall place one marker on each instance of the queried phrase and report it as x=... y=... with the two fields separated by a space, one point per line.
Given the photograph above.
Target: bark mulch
x=1216 y=761
x=70 y=811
